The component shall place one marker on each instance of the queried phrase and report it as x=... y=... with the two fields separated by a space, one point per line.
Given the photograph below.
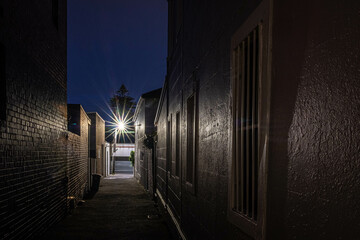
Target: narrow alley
x=179 y=119
x=121 y=209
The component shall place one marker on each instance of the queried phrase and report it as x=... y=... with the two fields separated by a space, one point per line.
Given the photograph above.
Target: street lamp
x=121 y=126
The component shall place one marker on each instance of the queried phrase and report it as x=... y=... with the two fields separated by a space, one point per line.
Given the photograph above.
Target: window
x=251 y=80
x=177 y=144
x=245 y=159
x=55 y=13
x=74 y=123
x=2 y=82
x=191 y=141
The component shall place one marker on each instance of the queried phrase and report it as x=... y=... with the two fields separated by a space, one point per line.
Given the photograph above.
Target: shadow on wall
x=96 y=178
x=323 y=153
x=289 y=33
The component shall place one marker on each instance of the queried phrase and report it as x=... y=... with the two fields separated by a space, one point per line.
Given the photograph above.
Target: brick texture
x=77 y=168
x=39 y=159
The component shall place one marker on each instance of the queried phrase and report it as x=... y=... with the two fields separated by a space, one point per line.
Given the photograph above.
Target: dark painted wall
x=144 y=122
x=151 y=104
x=140 y=126
x=33 y=141
x=199 y=63
x=314 y=158
x=161 y=176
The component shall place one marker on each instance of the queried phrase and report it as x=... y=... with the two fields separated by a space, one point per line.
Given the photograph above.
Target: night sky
x=114 y=42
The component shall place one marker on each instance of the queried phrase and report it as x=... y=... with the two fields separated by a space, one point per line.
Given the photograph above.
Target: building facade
x=257 y=121
x=97 y=143
x=44 y=142
x=145 y=130
x=78 y=167
x=33 y=111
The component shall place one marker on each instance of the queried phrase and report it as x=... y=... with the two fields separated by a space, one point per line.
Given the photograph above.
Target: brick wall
x=33 y=144
x=77 y=168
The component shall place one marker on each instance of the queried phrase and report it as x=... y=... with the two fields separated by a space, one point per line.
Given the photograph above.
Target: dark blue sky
x=114 y=42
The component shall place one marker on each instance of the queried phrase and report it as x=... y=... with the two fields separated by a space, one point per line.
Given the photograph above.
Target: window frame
x=191 y=186
x=177 y=144
x=260 y=17
x=169 y=152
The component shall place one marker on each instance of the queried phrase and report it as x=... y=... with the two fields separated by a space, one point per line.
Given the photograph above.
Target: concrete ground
x=120 y=210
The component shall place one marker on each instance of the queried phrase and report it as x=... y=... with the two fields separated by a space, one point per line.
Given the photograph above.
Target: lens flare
x=121 y=126
x=121 y=123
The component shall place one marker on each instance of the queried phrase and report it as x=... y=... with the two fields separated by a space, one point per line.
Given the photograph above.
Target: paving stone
x=121 y=209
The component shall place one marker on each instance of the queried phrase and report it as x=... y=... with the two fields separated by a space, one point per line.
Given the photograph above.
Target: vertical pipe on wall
x=254 y=127
x=242 y=191
x=237 y=130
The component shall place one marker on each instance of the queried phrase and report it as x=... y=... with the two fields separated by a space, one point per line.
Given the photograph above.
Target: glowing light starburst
x=121 y=123
x=121 y=126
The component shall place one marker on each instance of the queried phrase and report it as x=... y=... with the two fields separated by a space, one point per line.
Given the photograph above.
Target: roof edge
x=97 y=115
x=161 y=101
x=137 y=109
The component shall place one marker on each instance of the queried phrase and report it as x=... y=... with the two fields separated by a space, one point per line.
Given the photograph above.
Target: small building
x=145 y=130
x=78 y=166
x=97 y=143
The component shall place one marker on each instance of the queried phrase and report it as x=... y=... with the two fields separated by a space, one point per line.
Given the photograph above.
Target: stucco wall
x=199 y=63
x=161 y=149
x=314 y=143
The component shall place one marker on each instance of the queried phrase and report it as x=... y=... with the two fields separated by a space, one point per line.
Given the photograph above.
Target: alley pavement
x=121 y=209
